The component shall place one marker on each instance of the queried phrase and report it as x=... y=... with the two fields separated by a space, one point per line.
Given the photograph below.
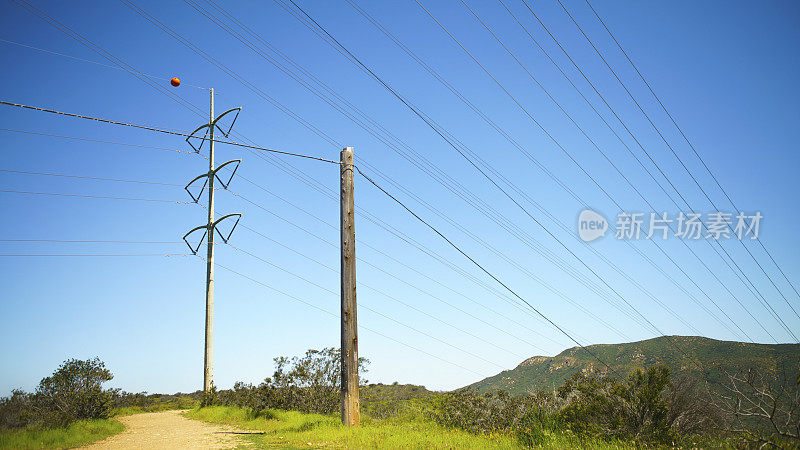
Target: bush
x=128 y=403
x=73 y=392
x=16 y=411
x=526 y=417
x=643 y=407
x=309 y=384
x=209 y=397
x=393 y=401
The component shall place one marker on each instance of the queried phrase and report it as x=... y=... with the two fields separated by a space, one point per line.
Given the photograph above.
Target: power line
x=672 y=150
x=635 y=157
x=397 y=261
x=254 y=147
x=481 y=267
x=238 y=37
x=89 y=254
x=155 y=77
x=165 y=131
x=595 y=145
x=573 y=159
x=378 y=333
x=330 y=291
x=385 y=294
x=511 y=140
x=418 y=113
x=77 y=241
x=478 y=168
x=60 y=194
x=51 y=174
x=95 y=140
x=428 y=121
x=263 y=55
x=454 y=191
x=81 y=116
x=361 y=326
x=255 y=89
x=502 y=330
x=106 y=55
x=680 y=130
x=746 y=281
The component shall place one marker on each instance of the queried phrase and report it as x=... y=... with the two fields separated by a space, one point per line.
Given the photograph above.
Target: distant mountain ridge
x=694 y=356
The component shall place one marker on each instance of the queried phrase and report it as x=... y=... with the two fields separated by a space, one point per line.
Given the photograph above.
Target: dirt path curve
x=169 y=429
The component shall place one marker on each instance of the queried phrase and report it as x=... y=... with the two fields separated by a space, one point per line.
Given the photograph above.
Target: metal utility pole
x=208 y=360
x=211 y=225
x=349 y=351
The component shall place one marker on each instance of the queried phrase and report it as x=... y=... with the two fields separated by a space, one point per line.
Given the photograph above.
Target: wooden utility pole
x=350 y=400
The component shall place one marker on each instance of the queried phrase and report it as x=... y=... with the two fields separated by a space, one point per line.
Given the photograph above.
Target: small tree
x=74 y=392
x=763 y=410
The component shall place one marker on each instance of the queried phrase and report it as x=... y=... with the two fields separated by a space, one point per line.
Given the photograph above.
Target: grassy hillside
x=697 y=357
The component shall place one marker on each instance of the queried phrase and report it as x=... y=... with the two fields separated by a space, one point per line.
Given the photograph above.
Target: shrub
x=525 y=416
x=645 y=407
x=73 y=392
x=209 y=398
x=126 y=402
x=309 y=384
x=634 y=408
x=16 y=411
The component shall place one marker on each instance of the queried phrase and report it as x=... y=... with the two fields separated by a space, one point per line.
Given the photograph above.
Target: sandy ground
x=169 y=429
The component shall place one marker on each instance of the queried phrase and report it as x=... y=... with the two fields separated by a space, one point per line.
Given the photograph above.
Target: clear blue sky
x=727 y=72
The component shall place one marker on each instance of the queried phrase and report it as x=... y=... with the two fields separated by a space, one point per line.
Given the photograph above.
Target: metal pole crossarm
x=214 y=173
x=210 y=229
x=211 y=125
x=194 y=250
x=214 y=226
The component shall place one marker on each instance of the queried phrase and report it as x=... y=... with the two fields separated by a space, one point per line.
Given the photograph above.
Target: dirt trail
x=169 y=429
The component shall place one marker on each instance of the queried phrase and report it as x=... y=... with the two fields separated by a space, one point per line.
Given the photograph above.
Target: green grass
x=295 y=429
x=76 y=434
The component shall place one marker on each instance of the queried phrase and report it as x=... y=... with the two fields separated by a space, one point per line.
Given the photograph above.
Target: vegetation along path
x=170 y=429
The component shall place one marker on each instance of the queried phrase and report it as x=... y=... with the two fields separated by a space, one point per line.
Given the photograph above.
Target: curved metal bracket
x=223 y=183
x=202 y=141
x=205 y=183
x=213 y=123
x=238 y=109
x=214 y=225
x=195 y=249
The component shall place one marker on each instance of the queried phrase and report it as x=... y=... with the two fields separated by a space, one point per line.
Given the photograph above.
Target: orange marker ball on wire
x=175 y=81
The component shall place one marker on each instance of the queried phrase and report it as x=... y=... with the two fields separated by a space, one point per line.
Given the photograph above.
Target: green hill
x=696 y=357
